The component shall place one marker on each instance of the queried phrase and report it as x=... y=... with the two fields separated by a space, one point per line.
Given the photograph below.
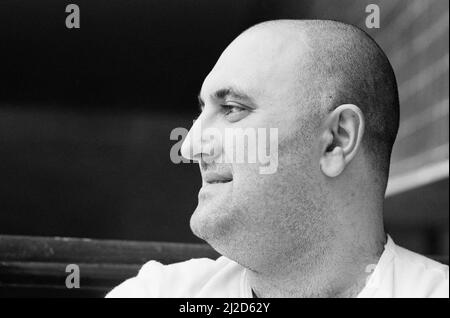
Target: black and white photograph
x=240 y=150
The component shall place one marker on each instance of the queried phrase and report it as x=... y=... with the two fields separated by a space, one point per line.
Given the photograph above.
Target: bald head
x=341 y=64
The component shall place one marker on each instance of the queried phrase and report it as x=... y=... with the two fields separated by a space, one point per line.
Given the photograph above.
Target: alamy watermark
x=373 y=18
x=73 y=279
x=230 y=145
x=73 y=18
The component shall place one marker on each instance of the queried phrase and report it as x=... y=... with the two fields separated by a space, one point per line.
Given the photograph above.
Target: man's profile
x=314 y=228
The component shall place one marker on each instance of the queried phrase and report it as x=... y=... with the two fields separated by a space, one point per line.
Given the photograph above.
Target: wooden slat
x=36 y=266
x=53 y=275
x=67 y=250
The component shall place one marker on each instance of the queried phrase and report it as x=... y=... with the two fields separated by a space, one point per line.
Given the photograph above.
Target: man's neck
x=340 y=272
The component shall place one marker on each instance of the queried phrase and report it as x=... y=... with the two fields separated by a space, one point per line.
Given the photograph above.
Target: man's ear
x=341 y=138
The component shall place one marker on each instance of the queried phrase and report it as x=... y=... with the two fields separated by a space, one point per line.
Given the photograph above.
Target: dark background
x=86 y=114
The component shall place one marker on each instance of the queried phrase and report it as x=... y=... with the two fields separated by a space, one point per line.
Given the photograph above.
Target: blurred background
x=86 y=114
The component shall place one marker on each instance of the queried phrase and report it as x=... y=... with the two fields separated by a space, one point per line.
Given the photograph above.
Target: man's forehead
x=267 y=47
x=256 y=63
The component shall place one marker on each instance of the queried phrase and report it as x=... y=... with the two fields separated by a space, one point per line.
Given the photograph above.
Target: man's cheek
x=250 y=187
x=245 y=176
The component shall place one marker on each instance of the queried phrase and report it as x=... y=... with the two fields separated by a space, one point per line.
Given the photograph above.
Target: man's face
x=243 y=213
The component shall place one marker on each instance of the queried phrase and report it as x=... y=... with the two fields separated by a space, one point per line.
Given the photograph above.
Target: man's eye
x=229 y=109
x=234 y=113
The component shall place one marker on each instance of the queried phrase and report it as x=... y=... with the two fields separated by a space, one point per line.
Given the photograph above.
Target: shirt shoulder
x=401 y=273
x=184 y=279
x=420 y=275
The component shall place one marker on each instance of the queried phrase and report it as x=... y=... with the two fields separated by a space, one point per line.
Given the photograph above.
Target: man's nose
x=202 y=143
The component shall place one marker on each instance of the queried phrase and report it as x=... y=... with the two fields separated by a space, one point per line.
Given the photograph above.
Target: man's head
x=331 y=93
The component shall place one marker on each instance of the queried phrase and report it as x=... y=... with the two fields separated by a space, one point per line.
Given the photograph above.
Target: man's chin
x=222 y=233
x=211 y=224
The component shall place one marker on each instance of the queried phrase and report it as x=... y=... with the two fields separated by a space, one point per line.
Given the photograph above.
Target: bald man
x=314 y=227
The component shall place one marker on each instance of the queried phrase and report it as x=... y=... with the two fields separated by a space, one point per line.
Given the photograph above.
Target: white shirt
x=399 y=273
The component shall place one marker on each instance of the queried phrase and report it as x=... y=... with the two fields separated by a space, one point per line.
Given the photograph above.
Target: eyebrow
x=224 y=93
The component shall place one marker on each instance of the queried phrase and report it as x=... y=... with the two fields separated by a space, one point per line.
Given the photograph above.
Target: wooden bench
x=36 y=266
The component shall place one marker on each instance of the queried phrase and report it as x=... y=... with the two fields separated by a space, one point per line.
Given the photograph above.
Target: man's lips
x=214 y=177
